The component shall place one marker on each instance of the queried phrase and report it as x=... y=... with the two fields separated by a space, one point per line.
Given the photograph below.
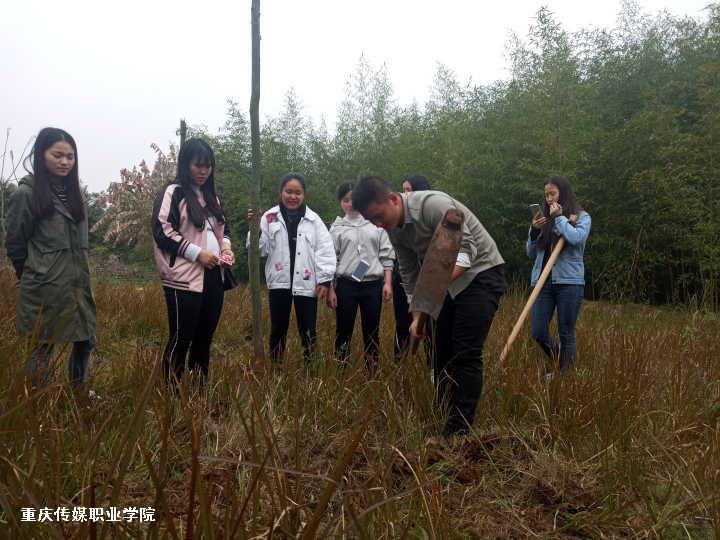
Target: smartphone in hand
x=535 y=209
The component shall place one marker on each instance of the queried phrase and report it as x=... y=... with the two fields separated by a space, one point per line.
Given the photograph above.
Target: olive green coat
x=50 y=256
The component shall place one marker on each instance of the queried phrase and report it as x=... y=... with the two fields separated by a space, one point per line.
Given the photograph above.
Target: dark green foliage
x=629 y=115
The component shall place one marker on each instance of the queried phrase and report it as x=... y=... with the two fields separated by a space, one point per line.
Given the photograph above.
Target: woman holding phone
x=363 y=278
x=561 y=216
x=192 y=249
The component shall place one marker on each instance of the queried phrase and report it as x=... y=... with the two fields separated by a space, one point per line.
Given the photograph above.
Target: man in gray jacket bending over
x=478 y=282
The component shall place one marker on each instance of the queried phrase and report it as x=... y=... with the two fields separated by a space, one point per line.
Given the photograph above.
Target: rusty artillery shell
x=437 y=268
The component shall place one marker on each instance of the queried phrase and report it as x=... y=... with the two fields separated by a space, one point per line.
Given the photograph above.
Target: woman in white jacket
x=300 y=264
x=363 y=278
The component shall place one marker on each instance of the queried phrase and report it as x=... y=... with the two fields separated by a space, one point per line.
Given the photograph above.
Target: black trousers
x=192 y=318
x=367 y=295
x=281 y=302
x=402 y=316
x=456 y=350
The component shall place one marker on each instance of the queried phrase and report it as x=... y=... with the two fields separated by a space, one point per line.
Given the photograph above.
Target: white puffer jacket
x=315 y=259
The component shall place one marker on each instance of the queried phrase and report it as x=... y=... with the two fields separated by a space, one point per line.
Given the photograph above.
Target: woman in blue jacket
x=561 y=216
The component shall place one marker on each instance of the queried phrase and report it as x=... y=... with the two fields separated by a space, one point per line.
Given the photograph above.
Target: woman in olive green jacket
x=47 y=242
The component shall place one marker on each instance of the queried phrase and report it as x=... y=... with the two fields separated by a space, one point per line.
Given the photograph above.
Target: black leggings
x=367 y=295
x=192 y=318
x=281 y=302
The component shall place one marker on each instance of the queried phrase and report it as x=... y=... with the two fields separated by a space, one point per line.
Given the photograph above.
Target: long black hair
x=42 y=201
x=567 y=200
x=198 y=150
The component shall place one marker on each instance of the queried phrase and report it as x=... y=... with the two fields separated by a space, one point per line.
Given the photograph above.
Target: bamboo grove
x=630 y=114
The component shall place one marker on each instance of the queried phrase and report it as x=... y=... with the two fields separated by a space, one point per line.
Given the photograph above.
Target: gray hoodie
x=357 y=239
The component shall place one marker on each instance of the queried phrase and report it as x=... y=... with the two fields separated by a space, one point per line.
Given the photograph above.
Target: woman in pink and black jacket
x=192 y=247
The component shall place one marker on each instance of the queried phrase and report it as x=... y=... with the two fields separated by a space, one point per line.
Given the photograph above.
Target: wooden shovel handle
x=533 y=296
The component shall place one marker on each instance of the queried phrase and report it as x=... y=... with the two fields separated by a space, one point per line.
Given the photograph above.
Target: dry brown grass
x=626 y=446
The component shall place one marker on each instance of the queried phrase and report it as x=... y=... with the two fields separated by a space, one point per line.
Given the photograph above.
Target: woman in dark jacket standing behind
x=47 y=242
x=410 y=183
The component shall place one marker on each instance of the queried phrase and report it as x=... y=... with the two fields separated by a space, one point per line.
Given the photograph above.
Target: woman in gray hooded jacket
x=363 y=277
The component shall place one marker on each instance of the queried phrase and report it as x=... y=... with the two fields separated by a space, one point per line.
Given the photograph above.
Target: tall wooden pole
x=254 y=262
x=183 y=133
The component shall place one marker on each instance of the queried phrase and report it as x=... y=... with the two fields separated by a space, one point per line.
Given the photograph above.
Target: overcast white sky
x=119 y=75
